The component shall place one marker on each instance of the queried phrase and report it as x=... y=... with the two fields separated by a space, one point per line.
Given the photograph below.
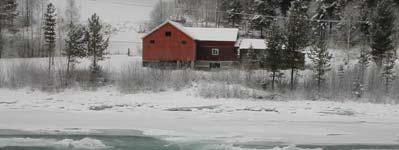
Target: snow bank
x=86 y=143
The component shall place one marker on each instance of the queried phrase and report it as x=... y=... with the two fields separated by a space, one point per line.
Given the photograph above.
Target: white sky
x=114 y=11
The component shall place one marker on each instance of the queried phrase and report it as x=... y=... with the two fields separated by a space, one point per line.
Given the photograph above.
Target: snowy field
x=183 y=116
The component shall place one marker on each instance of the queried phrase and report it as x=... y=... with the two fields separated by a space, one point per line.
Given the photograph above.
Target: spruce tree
x=272 y=59
x=382 y=30
x=363 y=63
x=50 y=33
x=297 y=36
x=388 y=72
x=262 y=20
x=285 y=6
x=97 y=43
x=321 y=59
x=7 y=15
x=75 y=46
x=233 y=10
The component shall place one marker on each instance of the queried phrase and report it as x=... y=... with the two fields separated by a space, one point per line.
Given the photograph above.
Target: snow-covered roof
x=254 y=43
x=204 y=34
x=214 y=34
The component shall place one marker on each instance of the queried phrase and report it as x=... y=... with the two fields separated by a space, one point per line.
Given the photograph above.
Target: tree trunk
x=49 y=64
x=292 y=78
x=387 y=85
x=1 y=43
x=261 y=33
x=273 y=79
x=68 y=64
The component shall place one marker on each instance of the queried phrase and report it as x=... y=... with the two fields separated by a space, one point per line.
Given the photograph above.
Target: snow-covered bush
x=220 y=90
x=134 y=78
x=25 y=74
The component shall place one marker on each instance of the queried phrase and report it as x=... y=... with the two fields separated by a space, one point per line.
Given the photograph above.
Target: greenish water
x=83 y=142
x=112 y=142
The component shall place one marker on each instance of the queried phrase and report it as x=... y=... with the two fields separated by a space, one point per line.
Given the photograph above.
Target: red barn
x=172 y=43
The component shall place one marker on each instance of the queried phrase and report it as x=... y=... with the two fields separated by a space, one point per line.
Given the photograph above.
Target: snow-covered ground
x=183 y=116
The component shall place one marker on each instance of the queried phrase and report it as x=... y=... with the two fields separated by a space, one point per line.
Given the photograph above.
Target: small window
x=214 y=65
x=168 y=34
x=184 y=42
x=152 y=41
x=215 y=51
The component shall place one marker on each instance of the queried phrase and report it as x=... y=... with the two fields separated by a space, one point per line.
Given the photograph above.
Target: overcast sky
x=114 y=11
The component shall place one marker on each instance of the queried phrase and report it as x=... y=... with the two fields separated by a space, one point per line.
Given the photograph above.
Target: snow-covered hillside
x=123 y=15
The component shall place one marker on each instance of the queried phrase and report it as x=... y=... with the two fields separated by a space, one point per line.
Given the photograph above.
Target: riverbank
x=181 y=115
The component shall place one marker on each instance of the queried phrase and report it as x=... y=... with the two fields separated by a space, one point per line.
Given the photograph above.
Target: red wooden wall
x=227 y=51
x=168 y=48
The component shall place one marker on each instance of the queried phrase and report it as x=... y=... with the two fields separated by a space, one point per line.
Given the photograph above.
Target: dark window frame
x=168 y=34
x=152 y=41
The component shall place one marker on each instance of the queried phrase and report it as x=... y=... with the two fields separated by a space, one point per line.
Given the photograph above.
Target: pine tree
x=97 y=43
x=363 y=63
x=7 y=15
x=297 y=36
x=341 y=72
x=261 y=21
x=272 y=59
x=382 y=30
x=365 y=17
x=75 y=46
x=233 y=10
x=388 y=72
x=49 y=32
x=321 y=60
x=284 y=6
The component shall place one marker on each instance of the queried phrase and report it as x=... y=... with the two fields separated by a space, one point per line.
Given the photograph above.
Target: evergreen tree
x=363 y=63
x=233 y=10
x=74 y=46
x=321 y=60
x=297 y=36
x=382 y=30
x=97 y=43
x=50 y=33
x=329 y=10
x=262 y=20
x=7 y=15
x=364 y=59
x=365 y=11
x=388 y=72
x=273 y=57
x=341 y=73
x=285 y=6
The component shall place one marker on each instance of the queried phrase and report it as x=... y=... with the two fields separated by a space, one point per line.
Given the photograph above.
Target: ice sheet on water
x=231 y=147
x=85 y=144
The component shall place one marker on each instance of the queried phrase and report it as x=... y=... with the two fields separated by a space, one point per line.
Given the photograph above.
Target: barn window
x=184 y=42
x=215 y=51
x=214 y=65
x=152 y=41
x=168 y=34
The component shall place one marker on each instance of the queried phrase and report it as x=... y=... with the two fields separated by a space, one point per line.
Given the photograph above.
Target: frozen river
x=132 y=140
